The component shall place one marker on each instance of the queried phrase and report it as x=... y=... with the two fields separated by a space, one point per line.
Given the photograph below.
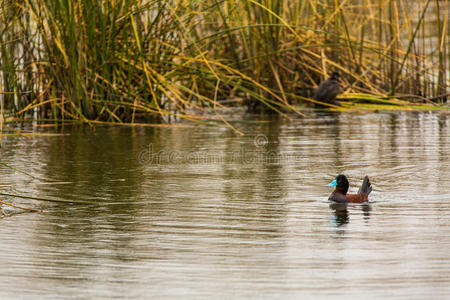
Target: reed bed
x=158 y=60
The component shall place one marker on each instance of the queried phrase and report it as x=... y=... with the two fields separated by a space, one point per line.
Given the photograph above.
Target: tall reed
x=121 y=60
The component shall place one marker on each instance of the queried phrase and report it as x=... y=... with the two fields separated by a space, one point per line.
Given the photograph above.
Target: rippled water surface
x=202 y=212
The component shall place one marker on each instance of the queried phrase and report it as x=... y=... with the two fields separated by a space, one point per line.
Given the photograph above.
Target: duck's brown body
x=340 y=195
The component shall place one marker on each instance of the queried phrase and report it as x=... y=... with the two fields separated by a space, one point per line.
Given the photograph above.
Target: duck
x=339 y=195
x=328 y=90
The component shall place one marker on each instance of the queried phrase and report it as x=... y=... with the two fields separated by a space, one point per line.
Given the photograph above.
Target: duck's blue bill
x=333 y=183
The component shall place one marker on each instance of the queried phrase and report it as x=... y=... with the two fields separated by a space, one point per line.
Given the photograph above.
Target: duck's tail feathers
x=366 y=187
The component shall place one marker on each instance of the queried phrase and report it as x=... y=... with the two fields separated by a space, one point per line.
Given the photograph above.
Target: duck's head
x=341 y=184
x=334 y=76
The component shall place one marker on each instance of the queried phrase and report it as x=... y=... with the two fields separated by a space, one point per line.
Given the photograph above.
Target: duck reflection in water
x=341 y=214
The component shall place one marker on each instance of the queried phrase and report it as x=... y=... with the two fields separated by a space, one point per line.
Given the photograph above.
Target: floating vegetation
x=46 y=199
x=20 y=207
x=151 y=61
x=368 y=102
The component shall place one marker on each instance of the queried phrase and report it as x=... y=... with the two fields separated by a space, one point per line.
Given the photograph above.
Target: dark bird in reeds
x=328 y=90
x=340 y=195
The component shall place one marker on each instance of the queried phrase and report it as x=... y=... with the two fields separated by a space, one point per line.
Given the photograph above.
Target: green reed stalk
x=410 y=44
x=440 y=29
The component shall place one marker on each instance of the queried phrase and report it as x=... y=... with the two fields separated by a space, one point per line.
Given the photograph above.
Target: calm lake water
x=202 y=212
